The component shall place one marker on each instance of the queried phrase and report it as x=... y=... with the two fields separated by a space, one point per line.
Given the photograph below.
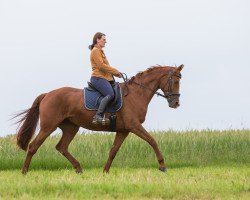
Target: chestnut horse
x=64 y=108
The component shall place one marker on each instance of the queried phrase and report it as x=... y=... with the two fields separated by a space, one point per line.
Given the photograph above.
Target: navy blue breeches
x=103 y=86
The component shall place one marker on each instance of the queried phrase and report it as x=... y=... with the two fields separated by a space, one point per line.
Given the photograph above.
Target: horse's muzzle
x=174 y=103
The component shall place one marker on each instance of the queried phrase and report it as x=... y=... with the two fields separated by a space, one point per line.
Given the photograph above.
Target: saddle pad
x=92 y=100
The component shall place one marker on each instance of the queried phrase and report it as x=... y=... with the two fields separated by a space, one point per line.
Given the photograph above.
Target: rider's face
x=102 y=41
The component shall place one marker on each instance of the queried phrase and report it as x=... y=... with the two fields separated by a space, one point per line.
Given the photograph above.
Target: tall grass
x=190 y=148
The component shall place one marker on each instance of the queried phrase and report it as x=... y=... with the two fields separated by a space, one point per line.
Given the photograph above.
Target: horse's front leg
x=142 y=133
x=119 y=138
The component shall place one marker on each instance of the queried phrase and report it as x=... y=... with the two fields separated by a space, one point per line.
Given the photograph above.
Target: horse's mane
x=139 y=74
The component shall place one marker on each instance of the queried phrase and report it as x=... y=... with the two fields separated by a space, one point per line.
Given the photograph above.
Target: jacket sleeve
x=98 y=59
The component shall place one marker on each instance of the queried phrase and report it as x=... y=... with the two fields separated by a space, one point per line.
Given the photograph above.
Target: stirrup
x=105 y=121
x=101 y=120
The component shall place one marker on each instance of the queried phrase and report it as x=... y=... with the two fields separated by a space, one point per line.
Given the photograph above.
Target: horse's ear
x=180 y=67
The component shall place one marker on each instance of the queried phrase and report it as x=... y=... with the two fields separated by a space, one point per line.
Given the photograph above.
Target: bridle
x=170 y=83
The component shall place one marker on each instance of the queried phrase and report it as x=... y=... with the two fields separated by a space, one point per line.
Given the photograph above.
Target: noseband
x=170 y=83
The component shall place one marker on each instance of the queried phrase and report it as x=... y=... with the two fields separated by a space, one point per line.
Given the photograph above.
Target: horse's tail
x=28 y=123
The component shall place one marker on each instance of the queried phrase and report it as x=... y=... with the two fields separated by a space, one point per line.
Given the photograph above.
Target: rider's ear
x=180 y=67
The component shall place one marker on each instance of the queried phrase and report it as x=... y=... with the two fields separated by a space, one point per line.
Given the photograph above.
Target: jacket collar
x=96 y=46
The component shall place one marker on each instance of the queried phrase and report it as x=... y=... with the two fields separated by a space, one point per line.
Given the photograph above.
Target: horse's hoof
x=79 y=171
x=24 y=173
x=163 y=168
x=105 y=172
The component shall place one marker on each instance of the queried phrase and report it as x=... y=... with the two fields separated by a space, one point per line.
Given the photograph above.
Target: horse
x=64 y=108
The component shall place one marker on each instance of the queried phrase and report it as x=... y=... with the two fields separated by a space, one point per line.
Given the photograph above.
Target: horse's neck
x=151 y=81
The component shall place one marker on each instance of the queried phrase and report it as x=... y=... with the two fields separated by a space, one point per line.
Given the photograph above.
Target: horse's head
x=169 y=84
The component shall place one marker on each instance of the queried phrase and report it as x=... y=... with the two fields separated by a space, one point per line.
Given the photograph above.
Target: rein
x=169 y=92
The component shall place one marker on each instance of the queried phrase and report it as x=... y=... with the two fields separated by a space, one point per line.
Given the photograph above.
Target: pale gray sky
x=43 y=46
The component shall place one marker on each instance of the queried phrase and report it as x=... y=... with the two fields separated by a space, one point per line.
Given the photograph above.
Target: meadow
x=201 y=165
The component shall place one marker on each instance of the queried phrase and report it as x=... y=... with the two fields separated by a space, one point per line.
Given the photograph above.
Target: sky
x=44 y=46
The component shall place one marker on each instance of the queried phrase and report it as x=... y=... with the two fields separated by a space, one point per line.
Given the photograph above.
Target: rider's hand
x=119 y=75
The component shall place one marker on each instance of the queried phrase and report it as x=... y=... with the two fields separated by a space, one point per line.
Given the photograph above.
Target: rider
x=102 y=74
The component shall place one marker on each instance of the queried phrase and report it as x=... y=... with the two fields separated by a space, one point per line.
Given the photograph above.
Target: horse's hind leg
x=69 y=131
x=34 y=145
x=119 y=138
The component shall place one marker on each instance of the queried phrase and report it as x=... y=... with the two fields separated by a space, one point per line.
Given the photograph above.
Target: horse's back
x=63 y=98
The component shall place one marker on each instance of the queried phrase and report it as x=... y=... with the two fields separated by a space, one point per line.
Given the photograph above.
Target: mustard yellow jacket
x=100 y=65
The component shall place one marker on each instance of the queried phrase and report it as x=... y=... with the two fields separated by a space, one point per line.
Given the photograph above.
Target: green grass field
x=202 y=165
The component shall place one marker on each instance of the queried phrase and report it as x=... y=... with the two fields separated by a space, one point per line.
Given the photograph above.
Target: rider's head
x=99 y=39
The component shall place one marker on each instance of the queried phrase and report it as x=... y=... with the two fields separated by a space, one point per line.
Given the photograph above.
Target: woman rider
x=102 y=75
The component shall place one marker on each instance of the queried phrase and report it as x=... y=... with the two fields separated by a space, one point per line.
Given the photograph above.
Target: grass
x=202 y=165
x=129 y=183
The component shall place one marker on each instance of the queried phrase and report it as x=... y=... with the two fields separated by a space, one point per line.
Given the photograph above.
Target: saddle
x=93 y=97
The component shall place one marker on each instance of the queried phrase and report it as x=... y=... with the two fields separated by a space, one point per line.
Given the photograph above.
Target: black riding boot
x=98 y=118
